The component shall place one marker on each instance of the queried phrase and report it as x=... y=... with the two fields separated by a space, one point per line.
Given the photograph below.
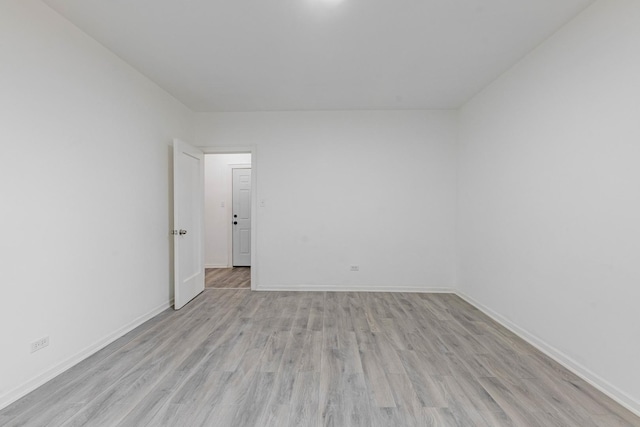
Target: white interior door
x=241 y=217
x=188 y=217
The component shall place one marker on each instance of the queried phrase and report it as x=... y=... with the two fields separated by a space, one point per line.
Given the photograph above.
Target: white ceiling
x=252 y=55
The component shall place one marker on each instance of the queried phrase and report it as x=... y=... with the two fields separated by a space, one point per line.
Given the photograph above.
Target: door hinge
x=174 y=232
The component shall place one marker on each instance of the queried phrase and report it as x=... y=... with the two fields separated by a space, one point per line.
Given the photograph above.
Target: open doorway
x=228 y=220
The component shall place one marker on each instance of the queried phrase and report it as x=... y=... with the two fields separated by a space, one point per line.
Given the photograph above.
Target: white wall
x=218 y=207
x=374 y=189
x=549 y=201
x=84 y=180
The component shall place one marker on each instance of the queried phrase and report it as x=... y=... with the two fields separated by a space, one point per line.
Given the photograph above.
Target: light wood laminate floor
x=241 y=358
x=228 y=278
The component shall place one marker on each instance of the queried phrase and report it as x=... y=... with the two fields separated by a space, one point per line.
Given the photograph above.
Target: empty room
x=320 y=213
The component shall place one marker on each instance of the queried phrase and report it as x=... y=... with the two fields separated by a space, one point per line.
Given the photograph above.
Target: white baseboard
x=26 y=388
x=216 y=266
x=587 y=375
x=355 y=288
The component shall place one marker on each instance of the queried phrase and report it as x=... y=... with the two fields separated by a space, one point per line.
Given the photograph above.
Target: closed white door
x=188 y=219
x=241 y=217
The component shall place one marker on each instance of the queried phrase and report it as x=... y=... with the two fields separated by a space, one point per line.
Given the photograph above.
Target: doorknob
x=235 y=216
x=235 y=222
x=182 y=232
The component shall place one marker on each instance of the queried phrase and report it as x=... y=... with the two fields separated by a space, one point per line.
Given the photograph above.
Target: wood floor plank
x=518 y=412
x=275 y=415
x=236 y=357
x=292 y=361
x=303 y=410
x=406 y=398
x=254 y=403
x=316 y=313
x=274 y=351
x=428 y=391
x=376 y=379
x=228 y=278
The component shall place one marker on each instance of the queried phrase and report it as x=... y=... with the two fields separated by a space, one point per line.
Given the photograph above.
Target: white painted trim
x=356 y=288
x=226 y=150
x=217 y=266
x=580 y=370
x=26 y=388
x=254 y=216
x=255 y=262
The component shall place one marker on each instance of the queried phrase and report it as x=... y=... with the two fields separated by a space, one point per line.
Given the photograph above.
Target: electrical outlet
x=355 y=268
x=40 y=344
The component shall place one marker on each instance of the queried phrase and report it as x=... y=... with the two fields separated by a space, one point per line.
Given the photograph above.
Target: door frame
x=254 y=200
